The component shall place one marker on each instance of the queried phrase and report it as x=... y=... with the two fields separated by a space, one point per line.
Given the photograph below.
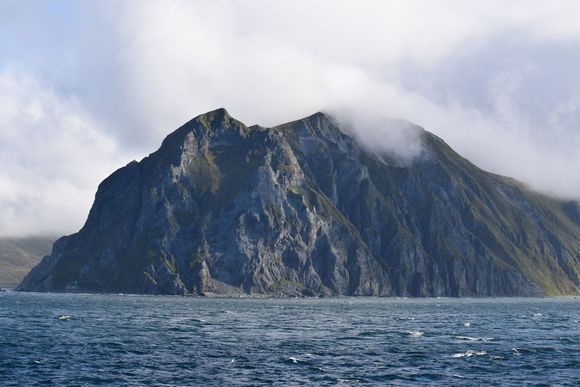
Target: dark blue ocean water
x=138 y=340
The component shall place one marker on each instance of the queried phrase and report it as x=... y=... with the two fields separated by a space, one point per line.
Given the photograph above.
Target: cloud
x=53 y=155
x=268 y=63
x=498 y=81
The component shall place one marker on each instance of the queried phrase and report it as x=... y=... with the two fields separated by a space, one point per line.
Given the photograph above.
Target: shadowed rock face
x=302 y=208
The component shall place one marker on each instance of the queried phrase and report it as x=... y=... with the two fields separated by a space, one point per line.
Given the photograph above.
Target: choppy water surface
x=122 y=340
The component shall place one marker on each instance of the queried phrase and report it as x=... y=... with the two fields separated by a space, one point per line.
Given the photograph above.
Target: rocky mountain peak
x=203 y=128
x=304 y=209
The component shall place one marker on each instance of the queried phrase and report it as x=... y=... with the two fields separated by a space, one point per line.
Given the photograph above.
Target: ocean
x=87 y=339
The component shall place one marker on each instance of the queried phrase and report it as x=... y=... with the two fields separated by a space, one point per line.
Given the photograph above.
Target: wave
x=482 y=339
x=348 y=381
x=403 y=318
x=468 y=353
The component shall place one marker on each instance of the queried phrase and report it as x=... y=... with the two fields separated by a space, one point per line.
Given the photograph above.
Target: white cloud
x=270 y=62
x=52 y=154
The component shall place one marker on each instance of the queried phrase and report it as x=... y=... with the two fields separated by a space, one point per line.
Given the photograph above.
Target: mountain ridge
x=303 y=209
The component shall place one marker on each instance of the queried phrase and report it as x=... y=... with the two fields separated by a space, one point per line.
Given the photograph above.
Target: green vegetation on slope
x=19 y=255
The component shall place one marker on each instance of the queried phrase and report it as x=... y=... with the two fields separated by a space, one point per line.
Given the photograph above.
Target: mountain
x=304 y=209
x=18 y=256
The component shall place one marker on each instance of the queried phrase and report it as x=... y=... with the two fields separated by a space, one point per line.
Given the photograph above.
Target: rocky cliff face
x=302 y=208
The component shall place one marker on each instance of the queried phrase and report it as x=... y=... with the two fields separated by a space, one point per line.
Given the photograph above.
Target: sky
x=87 y=86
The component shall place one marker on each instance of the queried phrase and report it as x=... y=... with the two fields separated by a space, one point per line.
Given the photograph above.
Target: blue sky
x=87 y=86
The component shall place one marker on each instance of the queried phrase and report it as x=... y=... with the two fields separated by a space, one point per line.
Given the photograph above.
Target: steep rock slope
x=302 y=208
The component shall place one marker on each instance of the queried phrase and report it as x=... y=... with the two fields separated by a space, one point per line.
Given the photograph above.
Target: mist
x=85 y=87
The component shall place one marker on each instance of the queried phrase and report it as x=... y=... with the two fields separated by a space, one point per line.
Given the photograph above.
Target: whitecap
x=467 y=324
x=64 y=317
x=467 y=338
x=294 y=359
x=415 y=333
x=468 y=353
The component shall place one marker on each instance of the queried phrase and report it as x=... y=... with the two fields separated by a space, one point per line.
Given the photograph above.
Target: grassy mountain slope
x=19 y=255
